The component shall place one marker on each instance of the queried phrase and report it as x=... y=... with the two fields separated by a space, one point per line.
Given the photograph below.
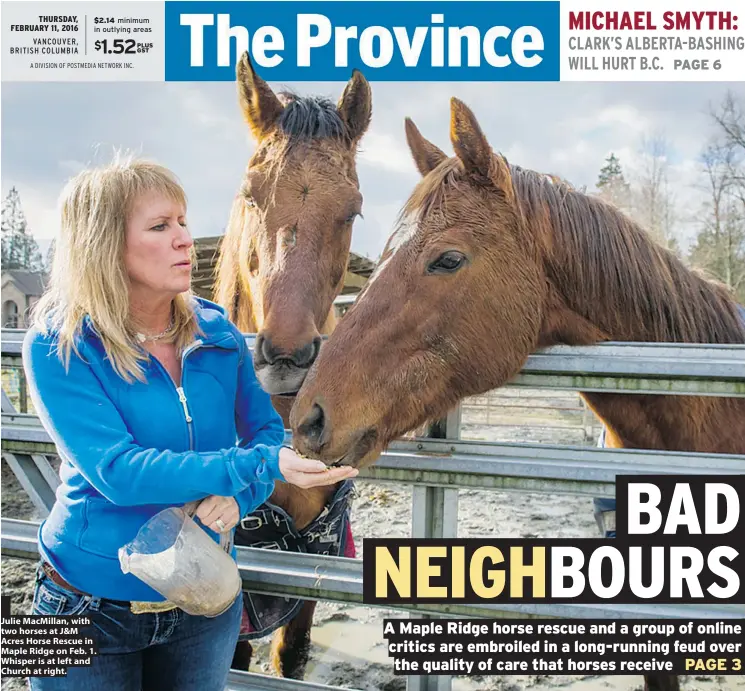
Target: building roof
x=358 y=269
x=30 y=283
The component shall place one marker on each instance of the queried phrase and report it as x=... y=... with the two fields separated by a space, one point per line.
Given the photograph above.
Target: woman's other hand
x=305 y=472
x=218 y=513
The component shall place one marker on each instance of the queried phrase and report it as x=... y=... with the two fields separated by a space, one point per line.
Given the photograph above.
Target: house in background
x=20 y=292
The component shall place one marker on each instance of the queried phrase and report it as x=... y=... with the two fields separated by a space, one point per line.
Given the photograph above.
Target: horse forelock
x=407 y=226
x=310 y=117
x=429 y=194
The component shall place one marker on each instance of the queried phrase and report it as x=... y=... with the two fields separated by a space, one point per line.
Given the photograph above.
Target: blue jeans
x=168 y=651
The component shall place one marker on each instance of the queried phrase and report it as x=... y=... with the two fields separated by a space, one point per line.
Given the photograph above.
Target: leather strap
x=56 y=578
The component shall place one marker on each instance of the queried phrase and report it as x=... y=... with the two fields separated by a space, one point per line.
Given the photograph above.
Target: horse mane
x=606 y=266
x=228 y=275
x=304 y=119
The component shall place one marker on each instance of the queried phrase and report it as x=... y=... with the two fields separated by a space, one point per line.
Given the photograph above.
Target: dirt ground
x=348 y=648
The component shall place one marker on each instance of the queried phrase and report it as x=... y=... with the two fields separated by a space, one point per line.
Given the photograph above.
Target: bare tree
x=720 y=243
x=653 y=199
x=730 y=118
x=730 y=121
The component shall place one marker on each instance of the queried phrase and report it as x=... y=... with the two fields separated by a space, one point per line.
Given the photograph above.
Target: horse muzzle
x=281 y=378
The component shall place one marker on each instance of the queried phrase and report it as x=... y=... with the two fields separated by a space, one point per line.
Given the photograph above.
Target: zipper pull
x=182 y=398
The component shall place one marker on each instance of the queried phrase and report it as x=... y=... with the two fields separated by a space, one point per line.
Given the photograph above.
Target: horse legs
x=661 y=682
x=242 y=656
x=291 y=644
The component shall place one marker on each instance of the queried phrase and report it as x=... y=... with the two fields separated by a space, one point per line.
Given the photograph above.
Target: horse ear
x=355 y=106
x=426 y=155
x=473 y=149
x=259 y=104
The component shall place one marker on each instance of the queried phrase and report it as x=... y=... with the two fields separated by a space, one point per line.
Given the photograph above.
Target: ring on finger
x=220 y=525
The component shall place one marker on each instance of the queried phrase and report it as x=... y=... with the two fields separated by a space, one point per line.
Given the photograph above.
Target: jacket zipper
x=180 y=390
x=182 y=393
x=185 y=406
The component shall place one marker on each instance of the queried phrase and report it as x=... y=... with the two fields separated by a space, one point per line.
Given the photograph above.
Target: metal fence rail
x=338 y=579
x=245 y=681
x=662 y=368
x=438 y=463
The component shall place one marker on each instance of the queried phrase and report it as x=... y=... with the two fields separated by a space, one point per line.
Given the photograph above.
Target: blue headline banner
x=387 y=41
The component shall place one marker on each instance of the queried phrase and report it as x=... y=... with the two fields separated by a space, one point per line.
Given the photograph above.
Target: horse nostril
x=266 y=353
x=258 y=345
x=306 y=356
x=264 y=348
x=314 y=428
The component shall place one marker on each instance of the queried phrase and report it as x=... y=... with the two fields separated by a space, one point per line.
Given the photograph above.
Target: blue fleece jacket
x=131 y=450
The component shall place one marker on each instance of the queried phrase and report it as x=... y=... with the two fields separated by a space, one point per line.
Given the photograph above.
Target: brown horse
x=283 y=261
x=488 y=263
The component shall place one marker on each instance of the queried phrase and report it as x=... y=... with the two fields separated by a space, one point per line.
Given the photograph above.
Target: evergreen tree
x=49 y=260
x=612 y=185
x=19 y=248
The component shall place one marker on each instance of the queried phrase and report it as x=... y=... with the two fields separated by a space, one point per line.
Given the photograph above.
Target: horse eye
x=249 y=201
x=351 y=217
x=447 y=263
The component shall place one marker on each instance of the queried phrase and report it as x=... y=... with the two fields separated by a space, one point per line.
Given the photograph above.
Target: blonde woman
x=152 y=401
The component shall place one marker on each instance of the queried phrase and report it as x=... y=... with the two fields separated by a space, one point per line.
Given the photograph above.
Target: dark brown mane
x=600 y=257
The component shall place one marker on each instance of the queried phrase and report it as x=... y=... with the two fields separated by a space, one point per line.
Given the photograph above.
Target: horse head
x=285 y=253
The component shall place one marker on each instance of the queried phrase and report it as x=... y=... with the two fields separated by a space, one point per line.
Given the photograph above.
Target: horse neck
x=647 y=296
x=613 y=282
x=674 y=423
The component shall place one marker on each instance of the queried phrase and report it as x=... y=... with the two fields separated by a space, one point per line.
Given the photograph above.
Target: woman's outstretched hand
x=305 y=472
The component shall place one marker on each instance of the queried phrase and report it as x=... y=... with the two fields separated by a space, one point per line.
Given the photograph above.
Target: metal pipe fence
x=441 y=464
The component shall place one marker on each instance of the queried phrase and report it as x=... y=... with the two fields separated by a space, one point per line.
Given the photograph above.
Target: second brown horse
x=283 y=260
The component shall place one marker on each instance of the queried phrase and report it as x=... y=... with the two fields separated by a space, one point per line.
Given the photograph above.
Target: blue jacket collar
x=214 y=324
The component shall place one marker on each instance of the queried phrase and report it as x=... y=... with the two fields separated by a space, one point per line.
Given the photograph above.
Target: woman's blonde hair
x=88 y=276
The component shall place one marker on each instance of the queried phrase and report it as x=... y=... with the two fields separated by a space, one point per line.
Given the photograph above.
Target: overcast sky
x=50 y=131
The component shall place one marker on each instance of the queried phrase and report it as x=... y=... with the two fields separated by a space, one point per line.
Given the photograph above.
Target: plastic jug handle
x=226 y=538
